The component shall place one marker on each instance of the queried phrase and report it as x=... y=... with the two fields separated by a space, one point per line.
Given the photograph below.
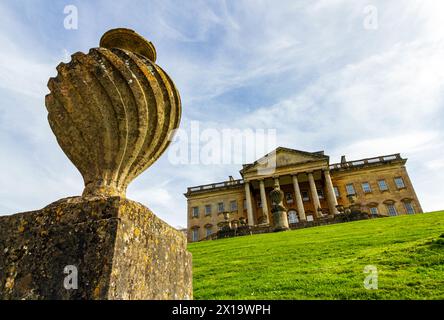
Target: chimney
x=343 y=160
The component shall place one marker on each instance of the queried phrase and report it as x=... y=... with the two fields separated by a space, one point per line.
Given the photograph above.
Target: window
x=320 y=194
x=391 y=210
x=309 y=218
x=233 y=205
x=259 y=204
x=305 y=196
x=220 y=207
x=409 y=208
x=292 y=216
x=208 y=231
x=336 y=192
x=208 y=209
x=245 y=204
x=195 y=212
x=195 y=235
x=366 y=187
x=289 y=197
x=374 y=211
x=399 y=183
x=382 y=185
x=350 y=189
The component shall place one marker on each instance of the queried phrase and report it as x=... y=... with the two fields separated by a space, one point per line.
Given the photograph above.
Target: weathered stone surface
x=278 y=210
x=120 y=248
x=113 y=111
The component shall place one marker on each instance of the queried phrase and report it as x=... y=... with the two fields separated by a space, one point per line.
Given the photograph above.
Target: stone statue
x=278 y=210
x=113 y=111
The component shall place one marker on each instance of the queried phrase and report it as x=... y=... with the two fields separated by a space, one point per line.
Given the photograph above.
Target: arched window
x=373 y=208
x=391 y=208
x=208 y=230
x=408 y=205
x=293 y=216
x=195 y=234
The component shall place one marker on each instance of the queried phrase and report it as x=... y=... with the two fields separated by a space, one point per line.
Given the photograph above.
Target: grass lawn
x=327 y=262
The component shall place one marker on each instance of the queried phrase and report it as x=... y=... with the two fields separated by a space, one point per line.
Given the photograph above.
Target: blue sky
x=308 y=69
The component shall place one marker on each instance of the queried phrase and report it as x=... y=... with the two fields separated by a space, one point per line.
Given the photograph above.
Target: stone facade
x=313 y=188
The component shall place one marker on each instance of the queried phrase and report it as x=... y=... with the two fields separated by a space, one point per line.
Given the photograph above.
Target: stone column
x=264 y=201
x=249 y=204
x=331 y=196
x=298 y=196
x=314 y=193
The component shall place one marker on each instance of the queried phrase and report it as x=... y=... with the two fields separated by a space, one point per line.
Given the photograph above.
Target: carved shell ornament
x=113 y=111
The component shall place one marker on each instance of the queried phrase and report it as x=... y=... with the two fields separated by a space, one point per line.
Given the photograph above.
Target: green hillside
x=327 y=262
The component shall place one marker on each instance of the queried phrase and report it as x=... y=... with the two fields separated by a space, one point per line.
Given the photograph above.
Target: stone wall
x=119 y=247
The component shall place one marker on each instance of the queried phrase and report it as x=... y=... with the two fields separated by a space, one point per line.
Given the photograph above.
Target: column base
x=119 y=248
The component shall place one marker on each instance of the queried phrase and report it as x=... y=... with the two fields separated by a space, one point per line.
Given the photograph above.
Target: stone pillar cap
x=128 y=39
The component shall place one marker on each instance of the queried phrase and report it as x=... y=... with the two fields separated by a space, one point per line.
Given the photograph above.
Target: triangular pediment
x=284 y=157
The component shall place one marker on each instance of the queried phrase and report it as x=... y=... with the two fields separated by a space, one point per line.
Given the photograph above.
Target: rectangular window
x=245 y=204
x=220 y=207
x=289 y=197
x=382 y=185
x=305 y=196
x=391 y=210
x=374 y=211
x=233 y=205
x=336 y=192
x=320 y=194
x=292 y=217
x=366 y=187
x=208 y=209
x=195 y=212
x=208 y=231
x=399 y=183
x=195 y=235
x=409 y=208
x=350 y=189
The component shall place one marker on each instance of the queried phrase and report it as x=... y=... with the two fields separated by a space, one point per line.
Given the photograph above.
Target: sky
x=355 y=78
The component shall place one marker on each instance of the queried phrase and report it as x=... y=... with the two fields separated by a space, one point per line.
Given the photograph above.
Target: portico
x=303 y=177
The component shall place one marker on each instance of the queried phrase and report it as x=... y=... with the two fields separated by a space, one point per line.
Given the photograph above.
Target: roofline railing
x=211 y=186
x=374 y=160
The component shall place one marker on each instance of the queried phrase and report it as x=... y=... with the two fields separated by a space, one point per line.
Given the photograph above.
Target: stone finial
x=112 y=111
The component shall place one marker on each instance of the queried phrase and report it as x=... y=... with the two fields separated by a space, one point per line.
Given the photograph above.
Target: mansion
x=313 y=188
